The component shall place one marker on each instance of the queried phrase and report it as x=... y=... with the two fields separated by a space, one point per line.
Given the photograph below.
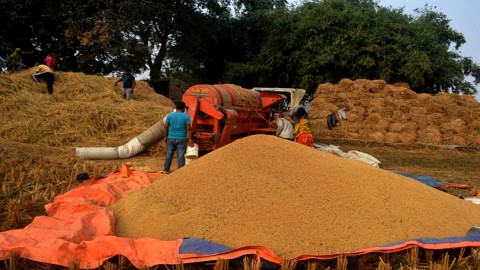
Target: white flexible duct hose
x=128 y=150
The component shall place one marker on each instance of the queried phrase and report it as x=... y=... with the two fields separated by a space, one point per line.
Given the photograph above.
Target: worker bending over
x=177 y=133
x=302 y=131
x=284 y=127
x=43 y=72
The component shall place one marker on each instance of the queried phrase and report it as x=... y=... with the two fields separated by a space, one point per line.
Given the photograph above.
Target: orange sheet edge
x=78 y=228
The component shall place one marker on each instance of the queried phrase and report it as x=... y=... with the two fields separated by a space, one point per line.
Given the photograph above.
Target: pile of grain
x=262 y=190
x=381 y=112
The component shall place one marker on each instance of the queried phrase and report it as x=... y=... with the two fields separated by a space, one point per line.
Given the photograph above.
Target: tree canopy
x=250 y=43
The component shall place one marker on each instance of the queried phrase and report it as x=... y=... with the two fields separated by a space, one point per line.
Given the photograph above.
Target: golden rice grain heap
x=393 y=113
x=262 y=190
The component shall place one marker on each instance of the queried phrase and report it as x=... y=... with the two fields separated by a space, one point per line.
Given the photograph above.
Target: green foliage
x=325 y=41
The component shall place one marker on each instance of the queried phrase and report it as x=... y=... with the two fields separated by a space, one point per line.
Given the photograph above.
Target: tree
x=334 y=39
x=265 y=43
x=161 y=26
x=434 y=64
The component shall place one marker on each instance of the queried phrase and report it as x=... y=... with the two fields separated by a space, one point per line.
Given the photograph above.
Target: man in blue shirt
x=177 y=132
x=128 y=84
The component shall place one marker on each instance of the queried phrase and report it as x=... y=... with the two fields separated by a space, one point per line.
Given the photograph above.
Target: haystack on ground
x=303 y=201
x=84 y=110
x=381 y=112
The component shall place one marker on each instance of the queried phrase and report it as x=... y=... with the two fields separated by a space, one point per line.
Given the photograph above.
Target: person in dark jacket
x=129 y=83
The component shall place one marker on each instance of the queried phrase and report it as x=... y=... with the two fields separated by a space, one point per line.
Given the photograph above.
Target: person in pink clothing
x=50 y=60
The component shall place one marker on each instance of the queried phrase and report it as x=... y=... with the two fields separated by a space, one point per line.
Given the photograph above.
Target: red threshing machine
x=221 y=113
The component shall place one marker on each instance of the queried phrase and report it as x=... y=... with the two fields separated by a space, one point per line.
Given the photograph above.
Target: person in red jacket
x=50 y=60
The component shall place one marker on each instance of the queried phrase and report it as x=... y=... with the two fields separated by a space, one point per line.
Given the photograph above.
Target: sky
x=464 y=18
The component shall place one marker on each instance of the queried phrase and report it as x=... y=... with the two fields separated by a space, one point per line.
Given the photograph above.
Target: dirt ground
x=459 y=166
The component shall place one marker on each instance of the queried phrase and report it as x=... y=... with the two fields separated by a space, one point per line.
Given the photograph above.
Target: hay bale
x=459 y=140
x=469 y=101
x=402 y=85
x=454 y=111
x=396 y=127
x=390 y=102
x=398 y=103
x=362 y=85
x=443 y=98
x=429 y=135
x=376 y=105
x=377 y=136
x=423 y=97
x=324 y=89
x=475 y=142
x=344 y=97
x=456 y=126
x=404 y=93
x=453 y=139
x=393 y=137
x=399 y=116
x=411 y=126
x=436 y=119
x=474 y=126
x=377 y=86
x=387 y=91
x=319 y=109
x=318 y=128
x=374 y=121
x=418 y=110
x=373 y=118
x=353 y=116
x=404 y=108
x=347 y=127
x=419 y=120
x=407 y=137
x=431 y=107
x=346 y=85
x=354 y=135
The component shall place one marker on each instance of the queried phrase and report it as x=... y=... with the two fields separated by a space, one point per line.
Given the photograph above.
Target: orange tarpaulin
x=80 y=229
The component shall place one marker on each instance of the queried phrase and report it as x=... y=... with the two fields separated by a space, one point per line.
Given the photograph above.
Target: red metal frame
x=221 y=113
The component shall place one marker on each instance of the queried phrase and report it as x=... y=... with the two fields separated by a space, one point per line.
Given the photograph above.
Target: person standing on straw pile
x=43 y=72
x=177 y=133
x=128 y=84
x=303 y=133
